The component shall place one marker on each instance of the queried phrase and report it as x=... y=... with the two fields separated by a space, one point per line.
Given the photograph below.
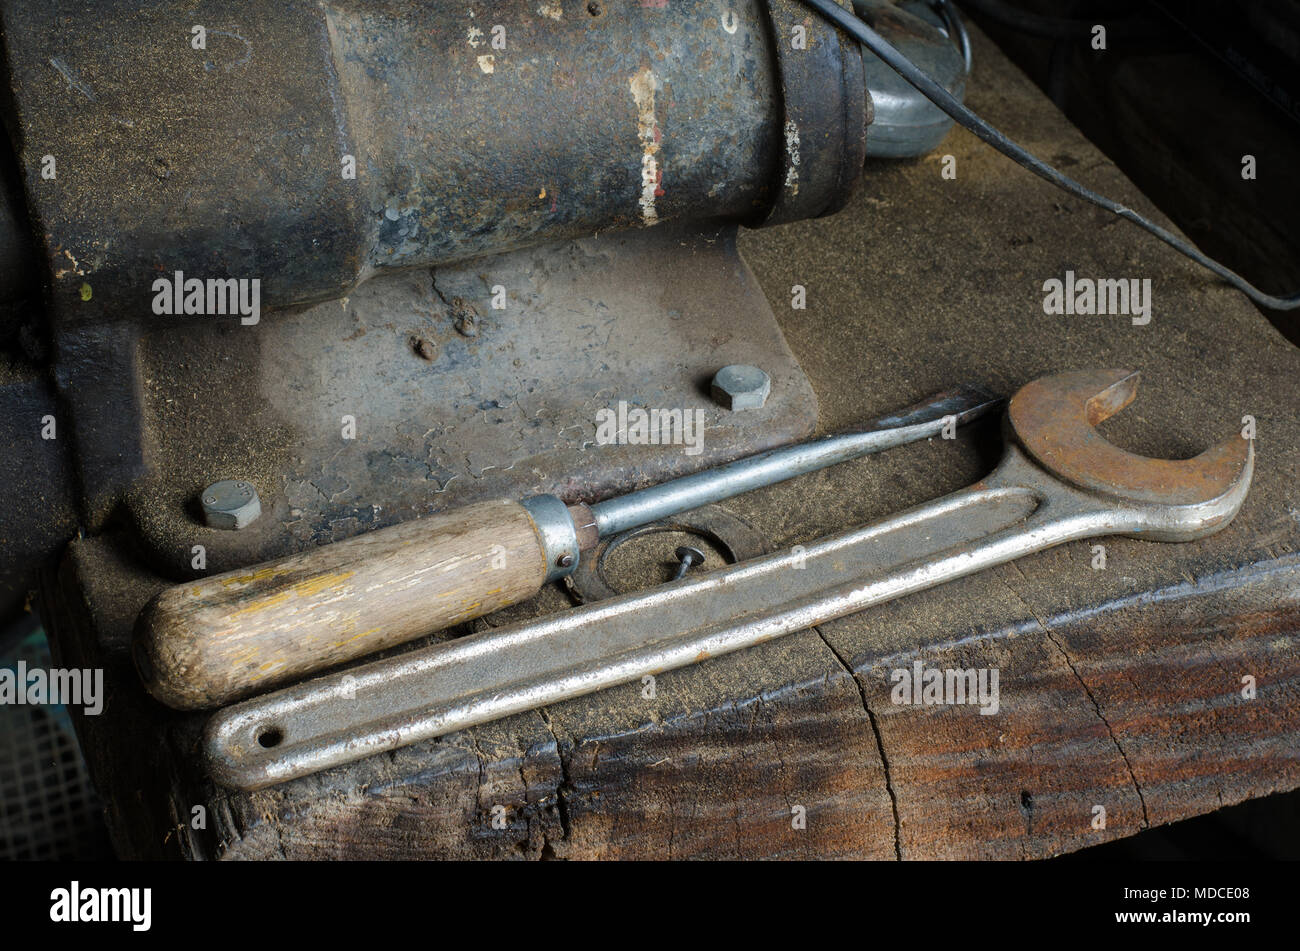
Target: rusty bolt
x=464 y=317
x=231 y=504
x=424 y=349
x=741 y=387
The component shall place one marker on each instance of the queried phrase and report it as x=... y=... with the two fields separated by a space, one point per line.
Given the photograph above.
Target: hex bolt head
x=741 y=387
x=231 y=504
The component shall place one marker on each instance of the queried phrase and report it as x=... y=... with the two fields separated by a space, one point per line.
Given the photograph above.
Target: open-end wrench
x=1059 y=480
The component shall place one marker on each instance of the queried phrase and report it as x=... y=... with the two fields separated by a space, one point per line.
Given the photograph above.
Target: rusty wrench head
x=1053 y=420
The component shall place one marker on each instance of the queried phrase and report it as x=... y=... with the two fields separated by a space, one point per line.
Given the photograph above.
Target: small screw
x=688 y=557
x=565 y=561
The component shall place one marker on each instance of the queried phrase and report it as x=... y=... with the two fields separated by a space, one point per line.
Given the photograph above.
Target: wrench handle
x=206 y=642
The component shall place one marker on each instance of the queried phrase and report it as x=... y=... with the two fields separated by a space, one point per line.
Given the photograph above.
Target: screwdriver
x=208 y=642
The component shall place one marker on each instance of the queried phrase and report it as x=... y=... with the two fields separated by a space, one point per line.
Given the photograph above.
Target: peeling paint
x=75 y=269
x=487 y=63
x=792 y=151
x=551 y=9
x=642 y=84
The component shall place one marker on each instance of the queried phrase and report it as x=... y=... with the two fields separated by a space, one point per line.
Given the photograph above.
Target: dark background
x=1182 y=91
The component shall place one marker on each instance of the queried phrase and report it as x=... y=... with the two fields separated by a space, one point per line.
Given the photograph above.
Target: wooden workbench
x=1120 y=688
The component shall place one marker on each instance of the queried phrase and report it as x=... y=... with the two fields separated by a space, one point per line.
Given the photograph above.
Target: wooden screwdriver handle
x=207 y=642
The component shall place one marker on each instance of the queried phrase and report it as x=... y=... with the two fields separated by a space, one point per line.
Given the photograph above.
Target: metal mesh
x=48 y=809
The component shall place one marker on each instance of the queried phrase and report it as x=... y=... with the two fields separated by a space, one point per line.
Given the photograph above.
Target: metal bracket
x=643 y=318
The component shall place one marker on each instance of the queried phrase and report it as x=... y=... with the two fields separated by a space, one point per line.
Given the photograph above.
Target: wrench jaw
x=1079 y=513
x=1053 y=420
x=1188 y=522
x=1112 y=398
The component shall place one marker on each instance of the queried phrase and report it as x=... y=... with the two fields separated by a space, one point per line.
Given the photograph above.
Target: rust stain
x=1053 y=419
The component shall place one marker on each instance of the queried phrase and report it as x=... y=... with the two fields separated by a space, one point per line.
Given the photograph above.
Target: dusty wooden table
x=1120 y=688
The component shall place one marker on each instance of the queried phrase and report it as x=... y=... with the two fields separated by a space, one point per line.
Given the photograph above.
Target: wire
x=956 y=29
x=968 y=120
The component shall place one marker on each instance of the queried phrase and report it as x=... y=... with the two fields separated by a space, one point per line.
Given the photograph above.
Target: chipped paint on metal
x=75 y=269
x=642 y=84
x=792 y=153
x=487 y=63
x=341 y=71
x=551 y=9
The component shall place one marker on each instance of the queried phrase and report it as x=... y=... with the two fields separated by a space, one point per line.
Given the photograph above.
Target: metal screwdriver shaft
x=920 y=421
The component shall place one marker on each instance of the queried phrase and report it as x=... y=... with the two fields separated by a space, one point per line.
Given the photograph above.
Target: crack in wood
x=880 y=741
x=561 y=803
x=1047 y=632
